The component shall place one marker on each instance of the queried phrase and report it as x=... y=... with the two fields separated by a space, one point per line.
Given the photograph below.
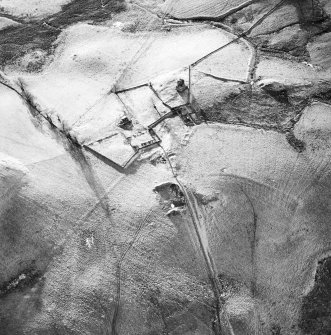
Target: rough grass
x=316 y=308
x=81 y=10
x=16 y=41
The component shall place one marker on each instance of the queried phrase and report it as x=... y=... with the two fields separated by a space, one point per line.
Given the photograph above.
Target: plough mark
x=229 y=12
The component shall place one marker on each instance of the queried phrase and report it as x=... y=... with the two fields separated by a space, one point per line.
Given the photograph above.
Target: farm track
x=222 y=324
x=144 y=223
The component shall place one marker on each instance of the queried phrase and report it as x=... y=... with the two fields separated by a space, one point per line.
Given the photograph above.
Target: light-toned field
x=5 y=23
x=98 y=121
x=230 y=63
x=19 y=137
x=139 y=105
x=90 y=60
x=184 y=9
x=165 y=86
x=32 y=8
x=257 y=174
x=287 y=72
x=319 y=50
x=165 y=52
x=83 y=71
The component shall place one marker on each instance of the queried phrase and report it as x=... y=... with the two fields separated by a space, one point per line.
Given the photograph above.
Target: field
x=184 y=9
x=267 y=221
x=166 y=52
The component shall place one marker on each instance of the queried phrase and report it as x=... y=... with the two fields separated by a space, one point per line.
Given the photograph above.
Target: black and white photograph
x=165 y=167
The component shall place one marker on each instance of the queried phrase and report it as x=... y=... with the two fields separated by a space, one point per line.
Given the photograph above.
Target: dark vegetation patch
x=293 y=54
x=169 y=192
x=316 y=306
x=17 y=41
x=312 y=17
x=239 y=326
x=170 y=197
x=28 y=278
x=82 y=10
x=294 y=142
x=271 y=107
x=310 y=11
x=323 y=95
x=312 y=20
x=177 y=314
x=275 y=329
x=29 y=99
x=40 y=35
x=228 y=284
x=205 y=199
x=256 y=108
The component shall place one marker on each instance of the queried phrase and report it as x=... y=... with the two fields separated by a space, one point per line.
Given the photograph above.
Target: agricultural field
x=165 y=167
x=184 y=9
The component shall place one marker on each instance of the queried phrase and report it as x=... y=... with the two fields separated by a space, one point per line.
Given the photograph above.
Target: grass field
x=259 y=186
x=184 y=9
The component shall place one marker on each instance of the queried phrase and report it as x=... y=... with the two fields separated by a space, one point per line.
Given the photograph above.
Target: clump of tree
x=67 y=131
x=29 y=99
